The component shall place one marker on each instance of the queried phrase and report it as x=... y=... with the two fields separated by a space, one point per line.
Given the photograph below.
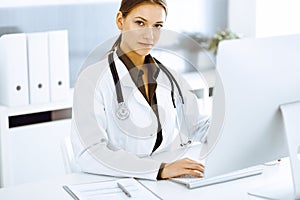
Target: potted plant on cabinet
x=218 y=37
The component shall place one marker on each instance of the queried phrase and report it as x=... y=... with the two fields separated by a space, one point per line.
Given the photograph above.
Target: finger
x=190 y=161
x=194 y=166
x=193 y=173
x=201 y=165
x=198 y=169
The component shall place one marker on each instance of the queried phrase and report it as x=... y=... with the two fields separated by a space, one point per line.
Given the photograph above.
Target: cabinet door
x=35 y=152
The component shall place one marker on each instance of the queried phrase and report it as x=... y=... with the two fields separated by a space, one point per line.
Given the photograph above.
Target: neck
x=137 y=59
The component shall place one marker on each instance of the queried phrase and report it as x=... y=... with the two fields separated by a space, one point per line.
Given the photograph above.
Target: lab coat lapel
x=128 y=85
x=163 y=95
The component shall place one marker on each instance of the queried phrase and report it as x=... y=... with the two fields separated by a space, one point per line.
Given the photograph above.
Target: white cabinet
x=30 y=141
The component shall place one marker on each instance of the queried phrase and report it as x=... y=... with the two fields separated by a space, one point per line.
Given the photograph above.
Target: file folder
x=38 y=68
x=13 y=67
x=59 y=65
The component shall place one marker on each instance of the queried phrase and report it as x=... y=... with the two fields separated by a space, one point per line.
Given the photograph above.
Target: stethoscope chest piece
x=122 y=111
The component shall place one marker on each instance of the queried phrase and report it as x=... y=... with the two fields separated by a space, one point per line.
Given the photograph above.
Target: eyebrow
x=147 y=20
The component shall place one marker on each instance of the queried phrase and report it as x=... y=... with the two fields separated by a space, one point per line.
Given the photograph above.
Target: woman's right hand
x=181 y=167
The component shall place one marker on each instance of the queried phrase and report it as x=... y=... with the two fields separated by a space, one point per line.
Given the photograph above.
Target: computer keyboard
x=194 y=182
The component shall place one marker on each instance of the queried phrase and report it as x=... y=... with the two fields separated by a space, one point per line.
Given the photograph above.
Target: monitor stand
x=281 y=191
x=287 y=190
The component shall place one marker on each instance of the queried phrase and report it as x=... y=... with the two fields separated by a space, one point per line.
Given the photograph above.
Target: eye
x=140 y=23
x=158 y=26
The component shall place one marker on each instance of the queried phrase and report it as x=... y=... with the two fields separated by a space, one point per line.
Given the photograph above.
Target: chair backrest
x=68 y=156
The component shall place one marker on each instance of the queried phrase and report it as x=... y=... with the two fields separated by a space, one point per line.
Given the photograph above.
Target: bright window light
x=277 y=17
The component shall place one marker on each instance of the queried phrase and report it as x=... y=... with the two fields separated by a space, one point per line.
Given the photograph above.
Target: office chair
x=68 y=156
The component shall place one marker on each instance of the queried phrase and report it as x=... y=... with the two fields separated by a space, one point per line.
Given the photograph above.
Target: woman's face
x=141 y=28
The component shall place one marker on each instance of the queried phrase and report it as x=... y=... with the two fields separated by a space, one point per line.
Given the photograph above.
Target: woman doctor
x=129 y=107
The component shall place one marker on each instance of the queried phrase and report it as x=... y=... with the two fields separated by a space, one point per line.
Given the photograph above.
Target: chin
x=143 y=52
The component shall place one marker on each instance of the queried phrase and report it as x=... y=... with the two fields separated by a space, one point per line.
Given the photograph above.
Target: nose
x=148 y=34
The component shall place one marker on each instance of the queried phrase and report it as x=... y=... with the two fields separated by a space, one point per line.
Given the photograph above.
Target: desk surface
x=52 y=189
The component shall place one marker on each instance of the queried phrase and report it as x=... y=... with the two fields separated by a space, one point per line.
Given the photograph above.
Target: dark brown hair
x=128 y=5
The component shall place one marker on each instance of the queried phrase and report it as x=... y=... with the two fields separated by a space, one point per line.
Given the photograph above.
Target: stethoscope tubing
x=116 y=78
x=122 y=110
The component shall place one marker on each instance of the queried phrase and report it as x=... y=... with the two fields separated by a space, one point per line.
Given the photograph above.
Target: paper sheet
x=109 y=190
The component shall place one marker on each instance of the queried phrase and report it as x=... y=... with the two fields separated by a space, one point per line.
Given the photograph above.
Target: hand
x=181 y=167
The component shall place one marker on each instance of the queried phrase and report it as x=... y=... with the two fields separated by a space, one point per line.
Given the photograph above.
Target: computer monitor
x=254 y=77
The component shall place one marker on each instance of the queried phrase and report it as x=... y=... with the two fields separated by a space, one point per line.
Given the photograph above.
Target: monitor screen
x=255 y=77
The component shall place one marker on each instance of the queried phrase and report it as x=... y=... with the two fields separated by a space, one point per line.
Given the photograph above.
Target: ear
x=119 y=20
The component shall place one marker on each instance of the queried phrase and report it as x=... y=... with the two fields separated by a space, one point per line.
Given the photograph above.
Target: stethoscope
x=122 y=111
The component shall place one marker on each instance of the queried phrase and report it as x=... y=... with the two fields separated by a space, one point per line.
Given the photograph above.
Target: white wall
x=261 y=18
x=242 y=17
x=89 y=26
x=13 y=3
x=277 y=17
x=205 y=16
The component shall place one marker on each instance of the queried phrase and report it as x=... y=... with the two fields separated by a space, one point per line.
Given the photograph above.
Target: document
x=118 y=189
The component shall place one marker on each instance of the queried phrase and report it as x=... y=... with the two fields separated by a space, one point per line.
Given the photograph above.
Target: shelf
x=31 y=137
x=23 y=110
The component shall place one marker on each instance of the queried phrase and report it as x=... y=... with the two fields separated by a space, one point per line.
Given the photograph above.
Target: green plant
x=218 y=37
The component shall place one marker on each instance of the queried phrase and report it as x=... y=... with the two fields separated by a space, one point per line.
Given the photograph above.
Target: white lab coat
x=103 y=144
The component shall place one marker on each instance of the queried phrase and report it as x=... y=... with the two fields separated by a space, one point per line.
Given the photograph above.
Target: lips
x=146 y=45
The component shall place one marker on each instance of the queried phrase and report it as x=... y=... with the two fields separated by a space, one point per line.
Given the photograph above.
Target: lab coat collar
x=163 y=83
x=124 y=75
x=136 y=72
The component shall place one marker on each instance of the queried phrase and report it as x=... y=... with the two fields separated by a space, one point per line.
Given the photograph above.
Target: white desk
x=52 y=189
x=235 y=190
